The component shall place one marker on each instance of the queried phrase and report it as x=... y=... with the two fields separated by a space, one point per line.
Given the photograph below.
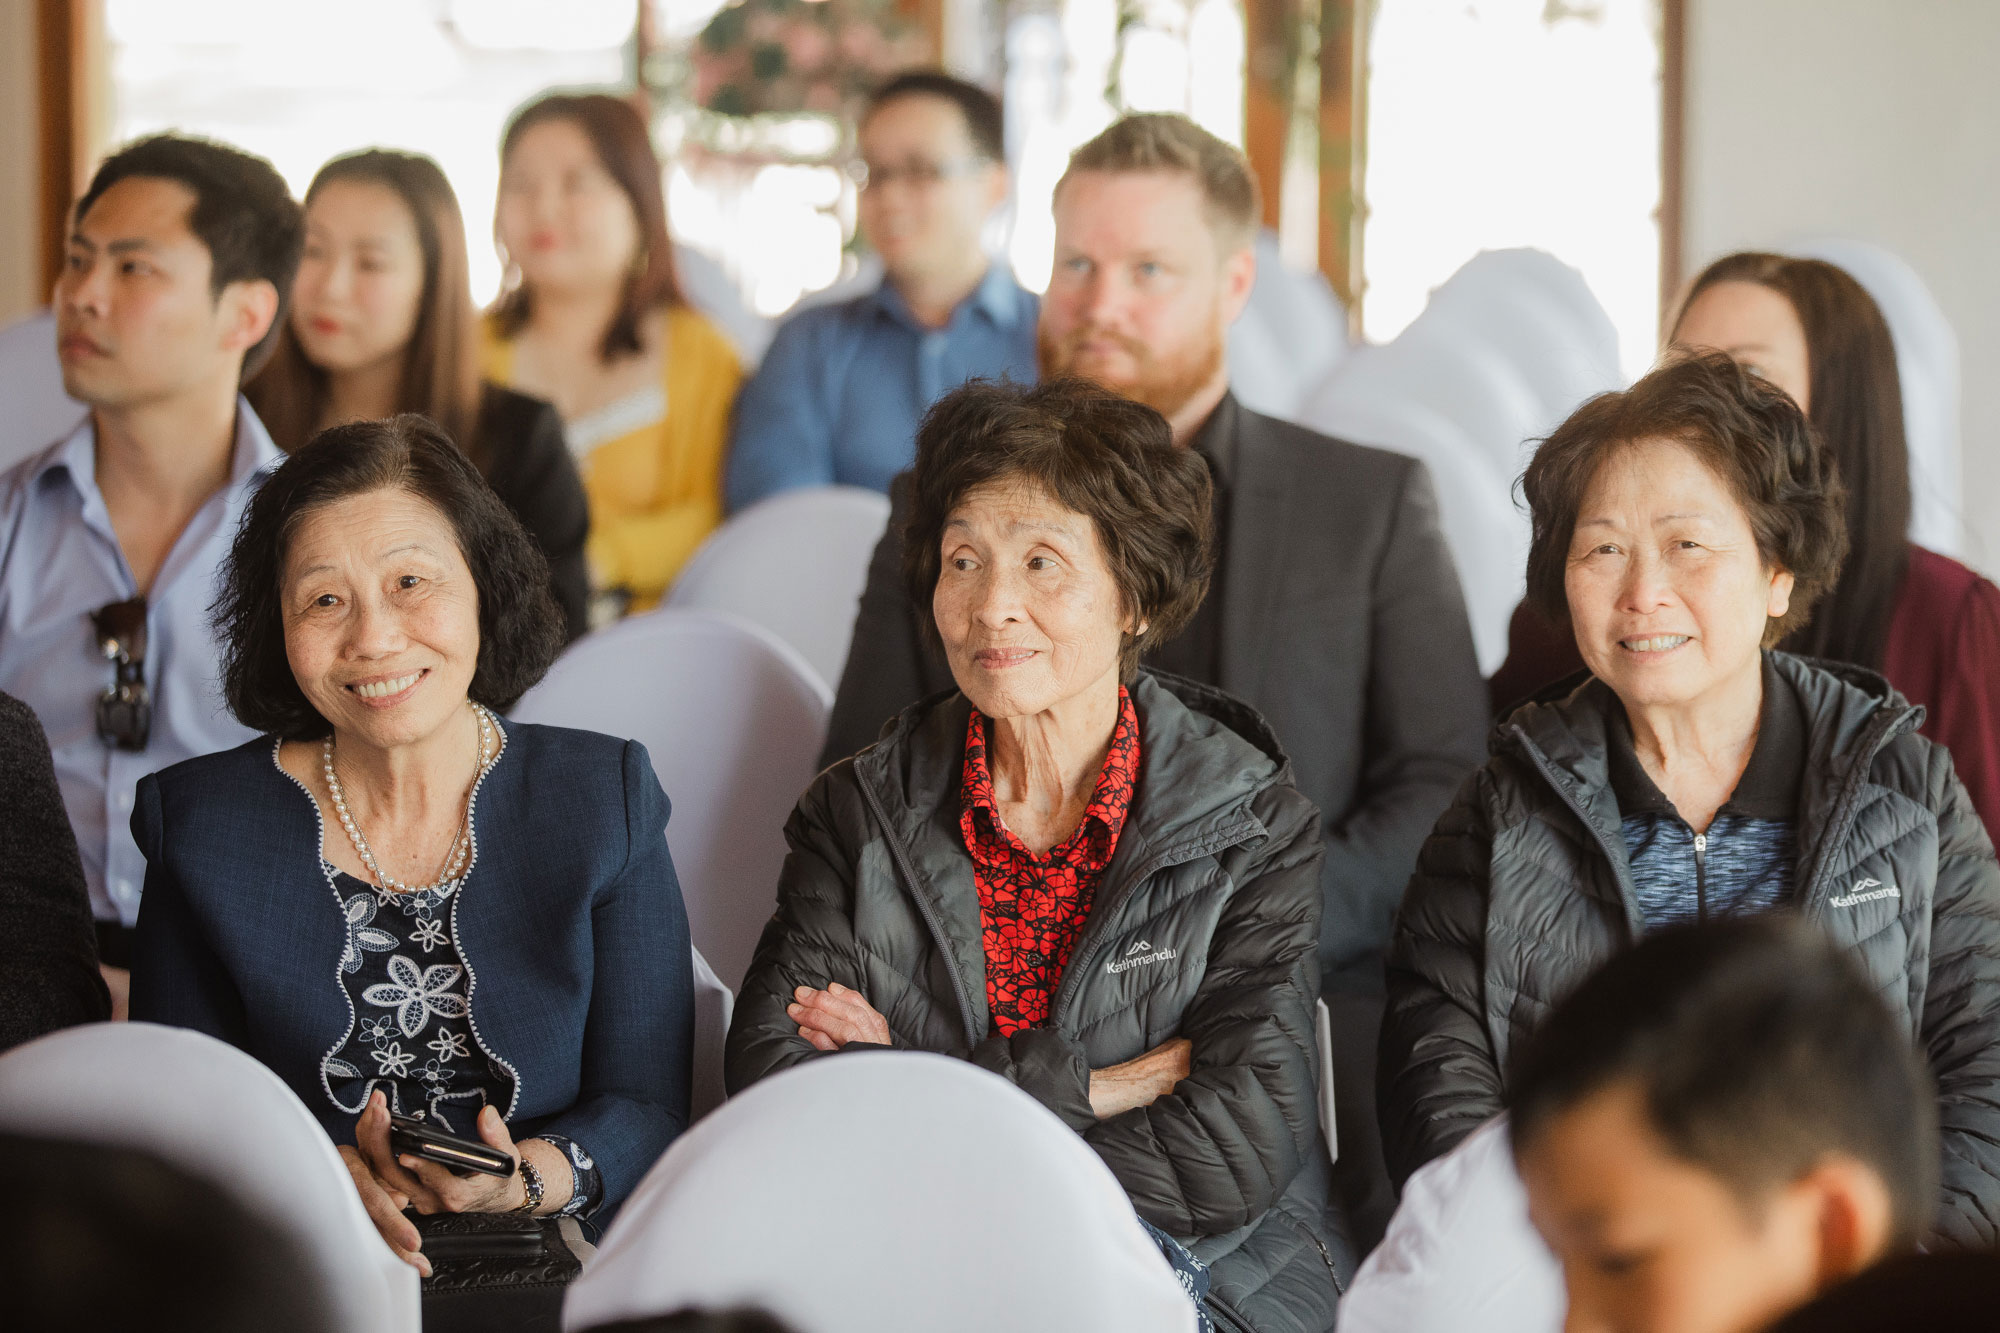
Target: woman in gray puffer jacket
x=1096 y=882
x=1680 y=528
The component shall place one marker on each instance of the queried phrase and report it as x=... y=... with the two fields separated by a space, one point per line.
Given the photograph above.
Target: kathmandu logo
x=1866 y=891
x=1139 y=955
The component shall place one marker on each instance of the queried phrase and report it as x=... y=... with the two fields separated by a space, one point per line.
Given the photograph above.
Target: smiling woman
x=1681 y=528
x=323 y=894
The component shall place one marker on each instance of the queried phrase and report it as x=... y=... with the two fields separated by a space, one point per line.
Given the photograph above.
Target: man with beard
x=1334 y=609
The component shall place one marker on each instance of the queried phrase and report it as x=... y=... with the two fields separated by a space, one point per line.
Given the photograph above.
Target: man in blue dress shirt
x=180 y=256
x=840 y=392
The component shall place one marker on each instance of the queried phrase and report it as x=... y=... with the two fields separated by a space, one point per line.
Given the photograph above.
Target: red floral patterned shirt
x=1031 y=907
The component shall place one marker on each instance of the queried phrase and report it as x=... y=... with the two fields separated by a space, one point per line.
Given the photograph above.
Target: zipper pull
x=1701 y=842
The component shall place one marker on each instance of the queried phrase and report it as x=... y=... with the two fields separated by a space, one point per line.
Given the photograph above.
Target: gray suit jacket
x=1342 y=623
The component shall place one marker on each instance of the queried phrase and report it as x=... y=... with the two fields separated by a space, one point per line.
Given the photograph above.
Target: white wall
x=1874 y=119
x=20 y=164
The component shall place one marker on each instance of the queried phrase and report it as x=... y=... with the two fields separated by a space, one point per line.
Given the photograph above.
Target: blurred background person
x=1722 y=1123
x=840 y=392
x=397 y=902
x=100 y=1238
x=48 y=975
x=382 y=322
x=1956 y=1291
x=699 y=1321
x=1682 y=528
x=180 y=257
x=1925 y=621
x=593 y=321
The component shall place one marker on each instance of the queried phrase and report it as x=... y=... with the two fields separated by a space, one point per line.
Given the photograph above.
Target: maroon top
x=1031 y=907
x=1943 y=651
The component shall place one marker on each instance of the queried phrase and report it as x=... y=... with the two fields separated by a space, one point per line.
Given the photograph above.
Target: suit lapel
x=1261 y=506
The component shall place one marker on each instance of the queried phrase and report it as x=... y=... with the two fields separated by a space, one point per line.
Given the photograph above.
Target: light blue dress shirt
x=842 y=388
x=60 y=561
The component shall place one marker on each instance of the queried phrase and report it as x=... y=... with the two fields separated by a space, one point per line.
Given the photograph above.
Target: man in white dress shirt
x=180 y=256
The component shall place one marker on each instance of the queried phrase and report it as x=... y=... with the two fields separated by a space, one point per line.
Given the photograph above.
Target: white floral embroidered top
x=412 y=1034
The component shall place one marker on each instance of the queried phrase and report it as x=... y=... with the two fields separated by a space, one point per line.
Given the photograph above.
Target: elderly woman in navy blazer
x=394 y=899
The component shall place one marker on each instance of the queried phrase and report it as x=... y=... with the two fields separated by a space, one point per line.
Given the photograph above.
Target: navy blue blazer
x=571 y=926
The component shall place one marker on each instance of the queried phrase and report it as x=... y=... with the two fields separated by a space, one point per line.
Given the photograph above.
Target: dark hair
x=1857 y=407
x=1759 y=1048
x=99 y=1237
x=1106 y=457
x=699 y=1321
x=625 y=149
x=520 y=629
x=441 y=360
x=1169 y=141
x=1935 y=1291
x=985 y=122
x=244 y=214
x=1751 y=434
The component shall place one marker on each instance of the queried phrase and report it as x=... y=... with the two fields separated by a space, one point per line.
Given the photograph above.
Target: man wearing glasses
x=843 y=386
x=180 y=254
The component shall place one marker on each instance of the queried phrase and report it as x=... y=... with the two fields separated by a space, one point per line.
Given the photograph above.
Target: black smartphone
x=420 y=1138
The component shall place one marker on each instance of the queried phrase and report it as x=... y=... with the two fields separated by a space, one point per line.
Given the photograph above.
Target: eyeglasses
x=125 y=711
x=917 y=175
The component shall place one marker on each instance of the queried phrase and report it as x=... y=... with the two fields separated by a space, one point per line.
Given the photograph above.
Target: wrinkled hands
x=1141 y=1081
x=389 y=1184
x=831 y=1018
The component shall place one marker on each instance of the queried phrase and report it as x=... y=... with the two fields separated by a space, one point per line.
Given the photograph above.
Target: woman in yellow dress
x=592 y=320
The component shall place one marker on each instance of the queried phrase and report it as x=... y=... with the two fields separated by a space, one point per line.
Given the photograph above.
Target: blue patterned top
x=413 y=1035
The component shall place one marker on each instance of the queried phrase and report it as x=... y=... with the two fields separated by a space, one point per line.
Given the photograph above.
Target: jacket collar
x=1203 y=757
x=1209 y=750
x=1769 y=787
x=1848 y=714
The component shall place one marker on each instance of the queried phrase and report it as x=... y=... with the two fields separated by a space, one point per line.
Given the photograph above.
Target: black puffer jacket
x=1216 y=871
x=1524 y=889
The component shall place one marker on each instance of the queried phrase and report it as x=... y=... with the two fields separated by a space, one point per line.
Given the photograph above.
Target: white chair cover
x=1927 y=363
x=709 y=289
x=714 y=1005
x=34 y=410
x=796 y=564
x=209 y=1109
x=1323 y=1040
x=1487 y=534
x=1503 y=352
x=1460 y=1253
x=885 y=1192
x=1289 y=338
x=734 y=721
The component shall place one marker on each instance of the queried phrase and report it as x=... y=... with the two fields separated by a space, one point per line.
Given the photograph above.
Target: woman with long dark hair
x=593 y=320
x=382 y=322
x=1923 y=620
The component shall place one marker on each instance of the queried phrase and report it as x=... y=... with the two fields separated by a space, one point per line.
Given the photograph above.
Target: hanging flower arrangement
x=793 y=57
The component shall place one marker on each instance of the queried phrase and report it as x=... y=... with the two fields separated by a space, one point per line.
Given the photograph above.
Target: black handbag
x=502 y=1272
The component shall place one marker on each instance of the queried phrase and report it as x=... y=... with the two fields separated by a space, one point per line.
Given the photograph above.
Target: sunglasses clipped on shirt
x=124 y=711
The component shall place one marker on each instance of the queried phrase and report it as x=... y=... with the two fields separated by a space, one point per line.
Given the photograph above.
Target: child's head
x=1719 y=1124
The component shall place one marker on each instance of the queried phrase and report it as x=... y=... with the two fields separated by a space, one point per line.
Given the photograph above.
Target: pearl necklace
x=461 y=846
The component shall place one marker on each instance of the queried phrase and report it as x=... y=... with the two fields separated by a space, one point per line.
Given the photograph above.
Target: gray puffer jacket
x=1524 y=888
x=1213 y=889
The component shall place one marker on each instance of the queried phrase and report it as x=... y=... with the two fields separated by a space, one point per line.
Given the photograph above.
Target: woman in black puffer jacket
x=1097 y=882
x=1680 y=528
